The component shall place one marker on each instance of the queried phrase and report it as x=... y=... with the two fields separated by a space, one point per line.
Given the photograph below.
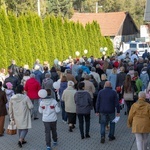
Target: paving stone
x=125 y=140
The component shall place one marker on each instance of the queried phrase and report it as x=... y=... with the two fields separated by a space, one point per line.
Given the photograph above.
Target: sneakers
x=82 y=137
x=54 y=143
x=102 y=140
x=112 y=138
x=48 y=148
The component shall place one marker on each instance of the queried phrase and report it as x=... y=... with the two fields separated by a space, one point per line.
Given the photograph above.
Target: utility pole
x=96 y=7
x=38 y=5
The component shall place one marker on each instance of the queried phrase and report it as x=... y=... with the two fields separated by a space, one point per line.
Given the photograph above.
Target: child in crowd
x=9 y=93
x=49 y=108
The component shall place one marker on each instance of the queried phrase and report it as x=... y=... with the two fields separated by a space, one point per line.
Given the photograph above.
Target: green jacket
x=139 y=84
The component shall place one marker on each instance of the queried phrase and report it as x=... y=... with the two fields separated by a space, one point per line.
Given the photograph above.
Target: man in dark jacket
x=12 y=79
x=107 y=101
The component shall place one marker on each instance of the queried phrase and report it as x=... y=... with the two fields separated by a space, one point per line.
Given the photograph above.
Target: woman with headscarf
x=139 y=120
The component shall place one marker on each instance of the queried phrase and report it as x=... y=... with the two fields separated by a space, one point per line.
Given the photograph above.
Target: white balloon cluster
x=103 y=50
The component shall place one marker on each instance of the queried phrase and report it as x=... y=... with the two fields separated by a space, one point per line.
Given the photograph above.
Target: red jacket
x=32 y=87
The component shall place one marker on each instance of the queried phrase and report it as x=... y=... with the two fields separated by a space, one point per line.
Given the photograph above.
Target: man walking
x=107 y=101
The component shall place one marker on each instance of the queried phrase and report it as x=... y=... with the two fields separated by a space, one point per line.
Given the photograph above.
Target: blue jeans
x=104 y=120
x=64 y=114
x=22 y=133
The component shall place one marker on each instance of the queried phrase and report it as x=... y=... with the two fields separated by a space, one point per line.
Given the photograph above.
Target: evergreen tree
x=110 y=47
x=3 y=60
x=8 y=36
x=56 y=36
x=20 y=59
x=26 y=44
x=32 y=34
x=49 y=40
x=63 y=38
x=41 y=36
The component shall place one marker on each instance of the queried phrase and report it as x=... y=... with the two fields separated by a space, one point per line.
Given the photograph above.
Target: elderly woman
x=139 y=120
x=70 y=106
x=19 y=109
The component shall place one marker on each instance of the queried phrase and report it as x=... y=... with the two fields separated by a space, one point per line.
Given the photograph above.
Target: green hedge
x=28 y=37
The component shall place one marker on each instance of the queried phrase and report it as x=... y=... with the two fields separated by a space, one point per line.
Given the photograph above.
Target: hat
x=42 y=93
x=9 y=85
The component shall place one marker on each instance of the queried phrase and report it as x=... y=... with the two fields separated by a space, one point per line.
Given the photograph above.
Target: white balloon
x=104 y=52
x=59 y=63
x=77 y=53
x=89 y=60
x=59 y=80
x=85 y=51
x=42 y=93
x=56 y=61
x=105 y=48
x=56 y=85
x=101 y=49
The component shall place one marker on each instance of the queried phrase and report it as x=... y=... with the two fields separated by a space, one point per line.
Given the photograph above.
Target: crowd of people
x=105 y=85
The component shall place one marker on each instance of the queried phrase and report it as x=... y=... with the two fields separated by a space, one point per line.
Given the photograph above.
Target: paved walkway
x=125 y=140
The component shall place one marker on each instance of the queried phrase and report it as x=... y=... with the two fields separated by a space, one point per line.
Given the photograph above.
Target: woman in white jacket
x=49 y=108
x=19 y=110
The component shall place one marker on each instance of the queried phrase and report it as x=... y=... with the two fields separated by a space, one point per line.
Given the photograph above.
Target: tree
x=60 y=7
x=3 y=60
x=49 y=40
x=8 y=36
x=17 y=40
x=26 y=43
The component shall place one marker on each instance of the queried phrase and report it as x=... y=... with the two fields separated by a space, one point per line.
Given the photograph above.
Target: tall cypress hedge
x=26 y=43
x=3 y=50
x=8 y=36
x=28 y=37
x=17 y=40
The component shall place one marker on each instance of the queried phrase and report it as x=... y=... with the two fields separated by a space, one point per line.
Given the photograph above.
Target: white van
x=132 y=46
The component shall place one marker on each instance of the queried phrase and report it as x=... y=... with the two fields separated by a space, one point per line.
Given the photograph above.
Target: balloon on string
x=89 y=60
x=104 y=52
x=42 y=93
x=85 y=51
x=77 y=53
x=59 y=63
x=56 y=61
x=56 y=85
x=101 y=49
x=59 y=80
